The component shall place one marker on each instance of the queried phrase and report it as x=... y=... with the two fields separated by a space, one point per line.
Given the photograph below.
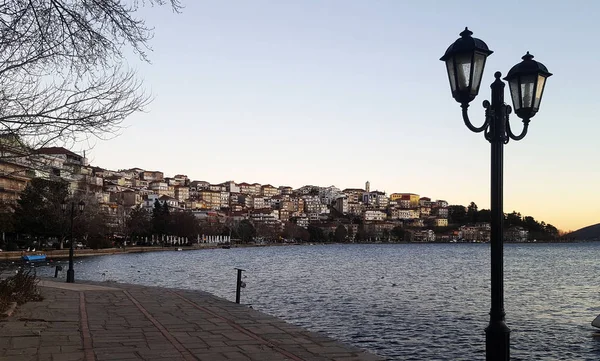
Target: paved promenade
x=127 y=322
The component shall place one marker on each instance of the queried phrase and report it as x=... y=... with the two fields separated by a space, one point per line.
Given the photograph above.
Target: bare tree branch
x=61 y=72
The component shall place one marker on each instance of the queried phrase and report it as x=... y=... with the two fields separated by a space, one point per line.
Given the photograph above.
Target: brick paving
x=117 y=322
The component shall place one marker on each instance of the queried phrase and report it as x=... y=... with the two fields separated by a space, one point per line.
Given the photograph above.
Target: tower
x=367 y=187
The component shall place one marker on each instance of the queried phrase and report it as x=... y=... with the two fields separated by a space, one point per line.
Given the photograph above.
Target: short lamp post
x=465 y=61
x=63 y=206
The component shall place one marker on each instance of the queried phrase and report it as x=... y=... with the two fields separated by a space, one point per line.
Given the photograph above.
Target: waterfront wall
x=64 y=253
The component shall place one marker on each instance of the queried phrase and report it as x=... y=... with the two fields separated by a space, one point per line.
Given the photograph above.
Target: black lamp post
x=71 y=271
x=465 y=60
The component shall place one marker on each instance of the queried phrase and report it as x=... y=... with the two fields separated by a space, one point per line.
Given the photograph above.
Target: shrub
x=20 y=288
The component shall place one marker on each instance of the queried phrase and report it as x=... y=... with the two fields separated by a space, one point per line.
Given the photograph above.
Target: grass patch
x=20 y=288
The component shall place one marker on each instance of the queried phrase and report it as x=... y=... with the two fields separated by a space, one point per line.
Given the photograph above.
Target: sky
x=341 y=92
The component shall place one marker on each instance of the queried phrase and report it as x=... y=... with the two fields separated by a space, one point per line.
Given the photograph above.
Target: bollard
x=239 y=284
x=58 y=268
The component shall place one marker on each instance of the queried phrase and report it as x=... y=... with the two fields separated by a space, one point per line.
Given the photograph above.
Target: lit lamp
x=80 y=206
x=465 y=61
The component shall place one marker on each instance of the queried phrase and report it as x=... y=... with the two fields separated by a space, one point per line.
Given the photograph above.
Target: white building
x=425 y=235
x=375 y=199
x=148 y=202
x=516 y=234
x=328 y=195
x=374 y=215
x=159 y=186
x=404 y=203
x=258 y=202
x=478 y=233
x=307 y=189
x=302 y=221
x=441 y=203
x=231 y=187
x=216 y=187
x=312 y=204
x=224 y=199
x=441 y=212
x=404 y=214
x=414 y=213
x=341 y=204
x=440 y=222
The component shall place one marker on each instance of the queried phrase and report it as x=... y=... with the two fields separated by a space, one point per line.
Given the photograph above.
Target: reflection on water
x=407 y=302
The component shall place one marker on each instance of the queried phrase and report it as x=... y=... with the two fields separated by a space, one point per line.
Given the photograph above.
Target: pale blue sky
x=341 y=92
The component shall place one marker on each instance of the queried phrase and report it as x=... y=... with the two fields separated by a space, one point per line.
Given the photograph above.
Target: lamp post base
x=71 y=276
x=497 y=341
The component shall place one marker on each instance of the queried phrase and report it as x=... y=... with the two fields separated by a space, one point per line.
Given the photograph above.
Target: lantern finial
x=466 y=33
x=527 y=56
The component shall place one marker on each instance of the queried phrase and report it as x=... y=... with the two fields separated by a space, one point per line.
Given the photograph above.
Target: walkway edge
x=240 y=328
x=88 y=348
x=182 y=350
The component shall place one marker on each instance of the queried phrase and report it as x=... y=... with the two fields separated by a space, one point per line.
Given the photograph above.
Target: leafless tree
x=62 y=68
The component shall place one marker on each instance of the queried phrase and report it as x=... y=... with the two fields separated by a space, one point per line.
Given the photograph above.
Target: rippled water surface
x=405 y=302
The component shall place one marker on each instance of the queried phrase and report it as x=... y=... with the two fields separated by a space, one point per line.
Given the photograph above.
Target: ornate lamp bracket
x=465 y=114
x=510 y=134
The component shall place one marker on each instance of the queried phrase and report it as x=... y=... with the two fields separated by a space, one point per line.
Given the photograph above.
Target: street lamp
x=465 y=60
x=63 y=206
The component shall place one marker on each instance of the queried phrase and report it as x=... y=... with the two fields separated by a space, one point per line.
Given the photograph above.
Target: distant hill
x=585 y=233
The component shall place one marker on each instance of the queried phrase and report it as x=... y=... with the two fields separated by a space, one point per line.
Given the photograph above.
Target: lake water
x=405 y=301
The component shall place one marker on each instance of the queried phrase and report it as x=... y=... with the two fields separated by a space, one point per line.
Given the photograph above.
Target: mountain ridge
x=591 y=232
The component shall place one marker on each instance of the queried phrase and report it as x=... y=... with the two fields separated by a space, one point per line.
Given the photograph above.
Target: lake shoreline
x=392 y=299
x=86 y=252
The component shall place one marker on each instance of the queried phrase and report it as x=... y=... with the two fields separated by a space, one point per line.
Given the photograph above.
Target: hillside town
x=311 y=212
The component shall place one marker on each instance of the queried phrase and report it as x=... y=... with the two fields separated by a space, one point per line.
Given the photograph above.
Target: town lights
x=465 y=60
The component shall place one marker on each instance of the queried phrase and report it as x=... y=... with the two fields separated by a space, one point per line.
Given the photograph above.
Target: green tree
x=531 y=224
x=38 y=212
x=340 y=233
x=295 y=232
x=185 y=224
x=472 y=213
x=138 y=223
x=160 y=218
x=246 y=231
x=484 y=215
x=94 y=231
x=457 y=215
x=93 y=226
x=552 y=232
x=386 y=234
x=513 y=219
x=156 y=209
x=398 y=233
x=330 y=237
x=361 y=233
x=350 y=234
x=271 y=232
x=316 y=234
